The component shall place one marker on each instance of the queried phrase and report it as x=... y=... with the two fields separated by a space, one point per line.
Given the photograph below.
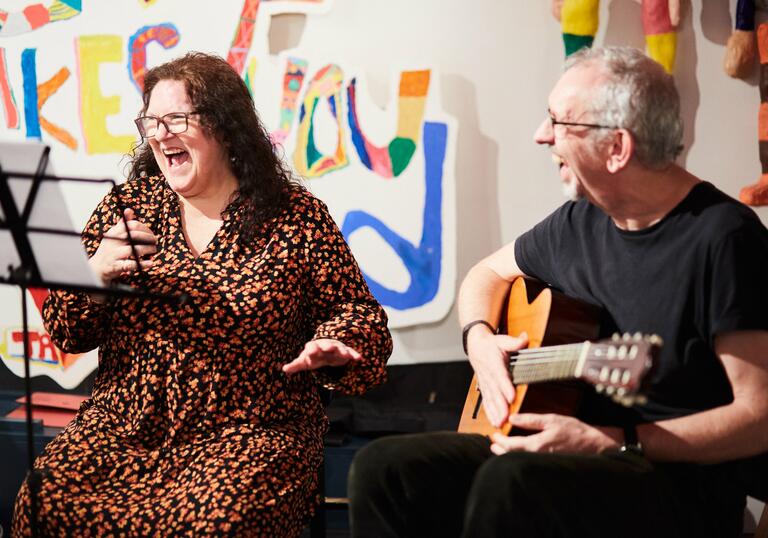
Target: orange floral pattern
x=193 y=428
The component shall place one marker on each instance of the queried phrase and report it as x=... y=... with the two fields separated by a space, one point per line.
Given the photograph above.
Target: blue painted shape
x=77 y=5
x=357 y=135
x=29 y=70
x=423 y=262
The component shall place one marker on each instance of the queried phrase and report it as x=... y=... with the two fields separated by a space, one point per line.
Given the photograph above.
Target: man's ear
x=621 y=149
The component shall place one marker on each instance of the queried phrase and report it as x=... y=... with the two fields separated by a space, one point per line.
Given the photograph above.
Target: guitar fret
x=545 y=366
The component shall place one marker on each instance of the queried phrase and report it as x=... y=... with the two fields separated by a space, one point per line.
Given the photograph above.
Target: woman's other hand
x=319 y=353
x=115 y=257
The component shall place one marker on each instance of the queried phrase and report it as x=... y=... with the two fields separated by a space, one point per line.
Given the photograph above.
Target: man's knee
x=371 y=463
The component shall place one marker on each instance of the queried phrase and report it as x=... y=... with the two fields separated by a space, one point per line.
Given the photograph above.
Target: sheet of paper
x=60 y=257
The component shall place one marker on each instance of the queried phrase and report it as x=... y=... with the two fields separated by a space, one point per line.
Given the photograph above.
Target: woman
x=205 y=417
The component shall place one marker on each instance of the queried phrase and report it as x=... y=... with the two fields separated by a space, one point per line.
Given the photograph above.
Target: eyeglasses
x=554 y=122
x=175 y=123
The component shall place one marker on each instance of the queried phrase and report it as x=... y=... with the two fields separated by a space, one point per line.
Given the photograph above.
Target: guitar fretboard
x=545 y=363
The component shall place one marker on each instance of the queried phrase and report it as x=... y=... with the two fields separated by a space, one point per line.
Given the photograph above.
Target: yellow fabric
x=580 y=17
x=662 y=48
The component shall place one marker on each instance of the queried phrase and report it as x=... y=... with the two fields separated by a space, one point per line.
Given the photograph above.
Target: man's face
x=573 y=149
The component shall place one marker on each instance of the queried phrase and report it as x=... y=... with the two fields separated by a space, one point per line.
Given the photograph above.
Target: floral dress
x=193 y=428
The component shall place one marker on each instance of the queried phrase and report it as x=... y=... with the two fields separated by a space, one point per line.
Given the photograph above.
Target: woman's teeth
x=176 y=157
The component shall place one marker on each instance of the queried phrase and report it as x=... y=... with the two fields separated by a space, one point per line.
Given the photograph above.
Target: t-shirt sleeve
x=739 y=280
x=537 y=251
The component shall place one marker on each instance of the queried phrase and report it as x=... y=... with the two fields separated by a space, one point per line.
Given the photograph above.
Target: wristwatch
x=468 y=326
x=631 y=443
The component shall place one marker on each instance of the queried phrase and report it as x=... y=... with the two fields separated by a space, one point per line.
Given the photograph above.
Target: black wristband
x=631 y=442
x=468 y=326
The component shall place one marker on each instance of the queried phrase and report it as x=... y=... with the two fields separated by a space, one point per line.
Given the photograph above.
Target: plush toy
x=740 y=52
x=579 y=19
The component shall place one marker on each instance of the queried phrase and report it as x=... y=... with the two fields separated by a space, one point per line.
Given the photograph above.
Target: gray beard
x=571 y=191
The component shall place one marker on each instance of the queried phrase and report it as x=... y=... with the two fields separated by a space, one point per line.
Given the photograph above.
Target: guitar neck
x=547 y=363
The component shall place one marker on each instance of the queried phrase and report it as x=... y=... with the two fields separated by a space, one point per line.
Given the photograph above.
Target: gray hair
x=637 y=95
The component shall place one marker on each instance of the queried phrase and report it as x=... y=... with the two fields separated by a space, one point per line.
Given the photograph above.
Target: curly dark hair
x=227 y=113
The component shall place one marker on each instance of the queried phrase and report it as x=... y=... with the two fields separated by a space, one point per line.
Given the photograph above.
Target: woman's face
x=193 y=162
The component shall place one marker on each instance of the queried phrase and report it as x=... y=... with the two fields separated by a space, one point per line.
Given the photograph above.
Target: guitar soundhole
x=476 y=410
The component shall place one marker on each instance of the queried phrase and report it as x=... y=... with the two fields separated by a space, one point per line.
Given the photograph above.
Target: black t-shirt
x=700 y=271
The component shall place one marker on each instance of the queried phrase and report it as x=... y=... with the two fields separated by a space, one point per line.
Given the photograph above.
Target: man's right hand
x=489 y=356
x=115 y=256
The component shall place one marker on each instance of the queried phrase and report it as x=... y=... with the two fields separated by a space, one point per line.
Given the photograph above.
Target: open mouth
x=175 y=157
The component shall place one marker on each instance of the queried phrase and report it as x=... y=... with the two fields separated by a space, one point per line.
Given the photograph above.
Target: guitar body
x=550 y=318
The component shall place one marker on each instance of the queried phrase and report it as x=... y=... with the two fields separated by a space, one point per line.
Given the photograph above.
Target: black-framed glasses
x=174 y=122
x=554 y=122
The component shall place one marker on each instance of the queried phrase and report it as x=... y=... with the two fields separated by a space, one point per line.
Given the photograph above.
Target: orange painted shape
x=762 y=122
x=756 y=194
x=414 y=83
x=59 y=133
x=37 y=15
x=49 y=87
x=44 y=91
x=762 y=42
x=241 y=43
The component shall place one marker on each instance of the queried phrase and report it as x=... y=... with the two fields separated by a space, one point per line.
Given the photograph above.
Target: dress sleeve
x=75 y=322
x=341 y=306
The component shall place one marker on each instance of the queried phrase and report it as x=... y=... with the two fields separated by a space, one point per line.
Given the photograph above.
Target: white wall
x=497 y=60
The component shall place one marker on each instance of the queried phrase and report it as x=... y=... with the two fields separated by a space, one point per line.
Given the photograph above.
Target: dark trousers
x=450 y=484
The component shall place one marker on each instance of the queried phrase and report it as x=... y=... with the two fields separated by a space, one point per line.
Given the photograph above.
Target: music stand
x=36 y=254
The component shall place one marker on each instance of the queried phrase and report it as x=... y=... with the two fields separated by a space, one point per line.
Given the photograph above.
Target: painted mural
x=71 y=75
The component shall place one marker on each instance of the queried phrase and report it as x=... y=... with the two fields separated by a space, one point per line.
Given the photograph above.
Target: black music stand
x=19 y=190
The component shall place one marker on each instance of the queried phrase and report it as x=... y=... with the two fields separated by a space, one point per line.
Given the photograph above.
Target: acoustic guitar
x=561 y=331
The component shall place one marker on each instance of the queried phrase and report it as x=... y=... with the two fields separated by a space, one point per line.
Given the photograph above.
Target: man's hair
x=638 y=95
x=221 y=98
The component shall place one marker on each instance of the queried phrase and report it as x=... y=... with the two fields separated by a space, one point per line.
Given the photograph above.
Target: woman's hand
x=114 y=256
x=319 y=353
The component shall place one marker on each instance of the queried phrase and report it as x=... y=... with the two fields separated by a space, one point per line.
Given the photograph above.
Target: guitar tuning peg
x=626 y=401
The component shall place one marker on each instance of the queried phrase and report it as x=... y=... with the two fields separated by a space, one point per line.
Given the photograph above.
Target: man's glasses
x=554 y=122
x=175 y=123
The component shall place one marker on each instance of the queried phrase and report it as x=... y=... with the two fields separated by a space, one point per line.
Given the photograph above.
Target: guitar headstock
x=618 y=365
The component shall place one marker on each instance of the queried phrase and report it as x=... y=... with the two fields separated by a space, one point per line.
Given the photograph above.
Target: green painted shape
x=400 y=152
x=312 y=154
x=248 y=83
x=574 y=43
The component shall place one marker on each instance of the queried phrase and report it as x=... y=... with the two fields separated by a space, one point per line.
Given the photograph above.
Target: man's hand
x=556 y=433
x=114 y=256
x=489 y=356
x=319 y=353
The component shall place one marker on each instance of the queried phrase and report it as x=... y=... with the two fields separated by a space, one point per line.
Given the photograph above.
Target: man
x=662 y=252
